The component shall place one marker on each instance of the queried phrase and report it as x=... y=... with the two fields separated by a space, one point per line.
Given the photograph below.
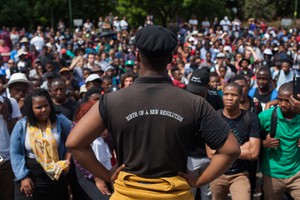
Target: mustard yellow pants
x=131 y=187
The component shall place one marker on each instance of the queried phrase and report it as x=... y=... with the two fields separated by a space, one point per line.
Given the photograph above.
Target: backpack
x=273 y=123
x=8 y=103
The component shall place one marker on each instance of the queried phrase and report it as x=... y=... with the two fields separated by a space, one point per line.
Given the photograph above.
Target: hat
x=82 y=89
x=244 y=59
x=228 y=48
x=268 y=52
x=61 y=37
x=64 y=69
x=17 y=78
x=49 y=45
x=63 y=51
x=195 y=32
x=129 y=62
x=109 y=68
x=220 y=55
x=24 y=40
x=21 y=52
x=199 y=81
x=37 y=60
x=155 y=41
x=92 y=77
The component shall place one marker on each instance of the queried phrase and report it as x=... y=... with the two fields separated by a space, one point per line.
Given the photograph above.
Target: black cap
x=199 y=81
x=155 y=40
x=244 y=59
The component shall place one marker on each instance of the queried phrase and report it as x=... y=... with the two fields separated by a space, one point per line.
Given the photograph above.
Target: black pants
x=6 y=181
x=44 y=187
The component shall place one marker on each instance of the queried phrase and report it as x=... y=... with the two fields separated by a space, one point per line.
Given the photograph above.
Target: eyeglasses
x=10 y=63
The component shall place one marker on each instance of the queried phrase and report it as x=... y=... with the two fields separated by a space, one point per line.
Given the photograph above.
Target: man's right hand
x=27 y=187
x=270 y=142
x=114 y=172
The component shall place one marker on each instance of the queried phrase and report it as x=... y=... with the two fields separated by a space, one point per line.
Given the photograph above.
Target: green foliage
x=30 y=13
x=258 y=9
x=15 y=13
x=268 y=9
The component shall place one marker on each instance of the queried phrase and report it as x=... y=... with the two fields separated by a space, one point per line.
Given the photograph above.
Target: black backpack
x=273 y=123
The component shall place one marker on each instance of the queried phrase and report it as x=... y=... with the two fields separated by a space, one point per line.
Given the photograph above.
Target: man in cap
x=93 y=80
x=24 y=64
x=152 y=124
x=18 y=86
x=197 y=160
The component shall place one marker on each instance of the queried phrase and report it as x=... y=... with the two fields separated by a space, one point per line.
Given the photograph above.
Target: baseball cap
x=199 y=81
x=92 y=77
x=220 y=55
x=129 y=63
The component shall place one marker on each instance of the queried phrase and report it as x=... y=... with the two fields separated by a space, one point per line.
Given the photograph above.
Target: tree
x=268 y=9
x=163 y=10
x=15 y=13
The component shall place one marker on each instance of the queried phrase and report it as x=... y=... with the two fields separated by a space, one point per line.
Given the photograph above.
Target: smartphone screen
x=1 y=160
x=296 y=87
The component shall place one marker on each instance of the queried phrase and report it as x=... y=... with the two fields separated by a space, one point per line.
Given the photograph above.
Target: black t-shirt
x=263 y=98
x=239 y=127
x=153 y=123
x=68 y=109
x=197 y=148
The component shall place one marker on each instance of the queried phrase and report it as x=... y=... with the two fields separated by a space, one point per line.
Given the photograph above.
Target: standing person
x=254 y=106
x=264 y=91
x=198 y=160
x=39 y=157
x=94 y=187
x=152 y=133
x=281 y=154
x=127 y=79
x=18 y=86
x=9 y=114
x=245 y=126
x=285 y=74
x=62 y=104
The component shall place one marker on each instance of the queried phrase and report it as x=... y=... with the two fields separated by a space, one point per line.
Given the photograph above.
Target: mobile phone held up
x=1 y=160
x=296 y=87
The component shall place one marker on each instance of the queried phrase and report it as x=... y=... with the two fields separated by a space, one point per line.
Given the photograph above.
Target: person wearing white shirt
x=285 y=74
x=38 y=42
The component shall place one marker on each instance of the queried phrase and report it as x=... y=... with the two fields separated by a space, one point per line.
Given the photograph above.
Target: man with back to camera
x=152 y=133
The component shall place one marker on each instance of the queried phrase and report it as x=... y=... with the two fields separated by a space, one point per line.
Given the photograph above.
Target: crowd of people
x=50 y=78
